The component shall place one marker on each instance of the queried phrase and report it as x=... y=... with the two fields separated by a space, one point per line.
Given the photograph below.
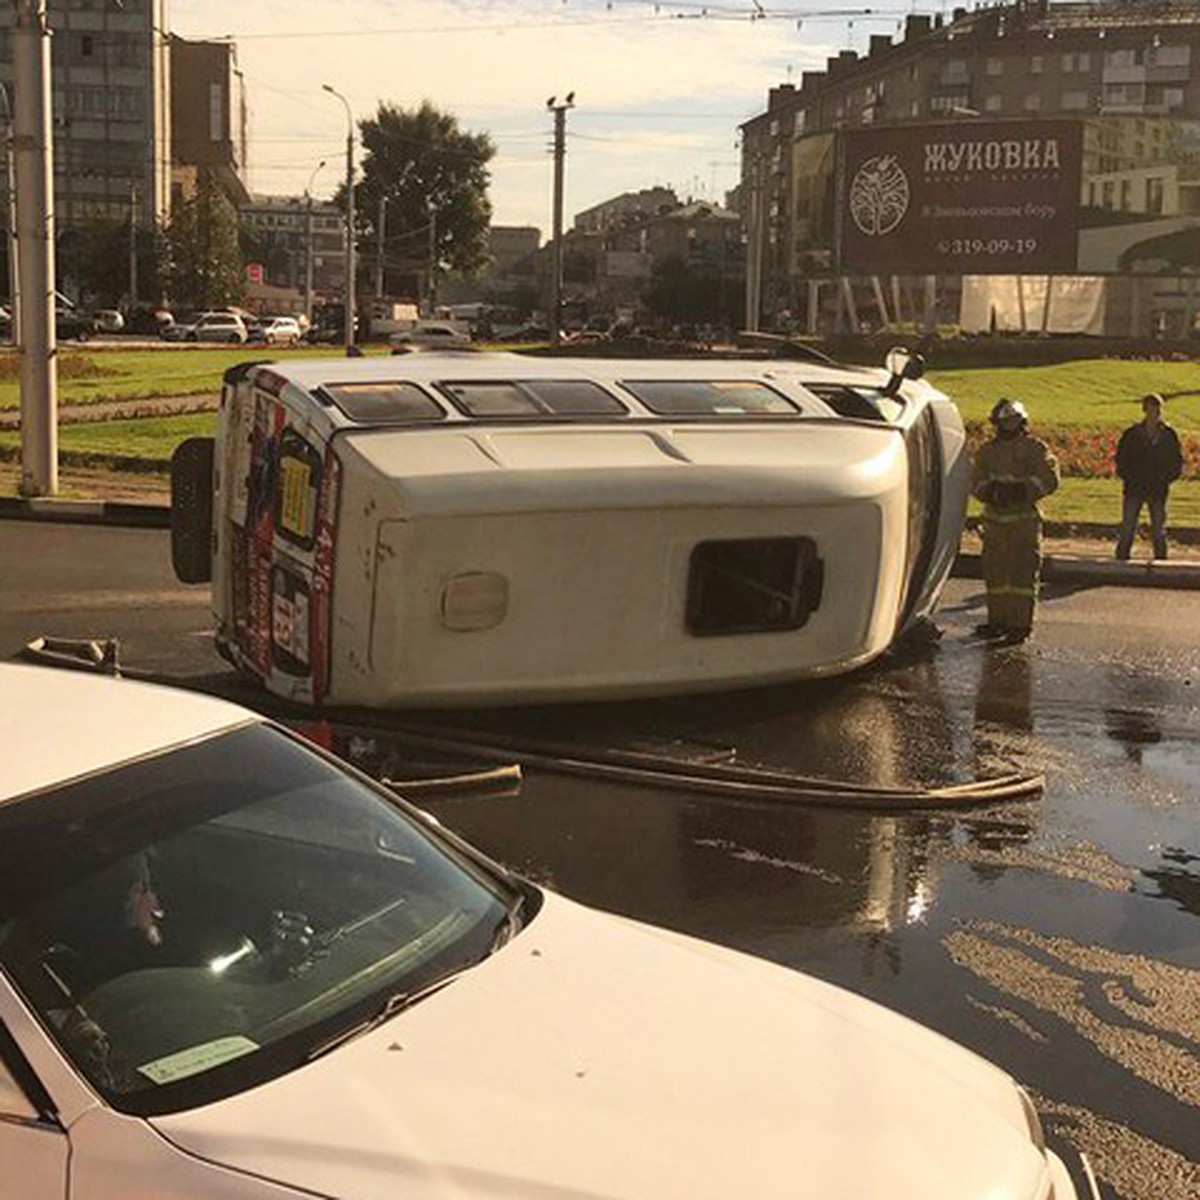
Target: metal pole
x=432 y=258
x=556 y=269
x=379 y=237
x=351 y=264
x=133 y=257
x=308 y=245
x=35 y=231
x=10 y=199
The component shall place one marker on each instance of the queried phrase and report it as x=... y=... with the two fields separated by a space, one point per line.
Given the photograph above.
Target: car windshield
x=193 y=924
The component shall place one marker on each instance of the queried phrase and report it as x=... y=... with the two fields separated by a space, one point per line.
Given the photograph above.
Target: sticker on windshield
x=195 y=1059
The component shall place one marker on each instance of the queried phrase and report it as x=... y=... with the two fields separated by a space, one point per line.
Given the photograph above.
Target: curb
x=86 y=512
x=1096 y=572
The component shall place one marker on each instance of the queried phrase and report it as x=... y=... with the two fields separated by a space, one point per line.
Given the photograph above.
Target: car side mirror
x=901 y=364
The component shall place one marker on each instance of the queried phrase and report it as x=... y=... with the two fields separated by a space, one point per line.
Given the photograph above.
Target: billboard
x=960 y=197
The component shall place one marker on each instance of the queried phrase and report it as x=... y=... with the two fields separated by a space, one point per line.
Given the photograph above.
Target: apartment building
x=208 y=118
x=110 y=79
x=1128 y=71
x=277 y=231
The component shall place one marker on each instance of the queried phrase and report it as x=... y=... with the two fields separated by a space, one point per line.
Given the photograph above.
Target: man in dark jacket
x=1149 y=460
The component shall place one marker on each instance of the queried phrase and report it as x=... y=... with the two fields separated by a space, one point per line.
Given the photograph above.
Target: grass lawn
x=93 y=374
x=1089 y=394
x=153 y=438
x=1099 y=501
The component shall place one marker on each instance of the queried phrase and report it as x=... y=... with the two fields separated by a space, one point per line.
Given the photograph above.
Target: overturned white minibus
x=466 y=528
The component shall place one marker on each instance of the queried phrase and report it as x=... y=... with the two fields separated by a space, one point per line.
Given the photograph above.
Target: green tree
x=96 y=258
x=434 y=180
x=205 y=269
x=679 y=292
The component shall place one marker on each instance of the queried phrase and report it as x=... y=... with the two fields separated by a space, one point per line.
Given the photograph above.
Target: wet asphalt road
x=1060 y=937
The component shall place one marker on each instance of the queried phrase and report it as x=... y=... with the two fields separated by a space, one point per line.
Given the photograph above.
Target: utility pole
x=34 y=164
x=754 y=239
x=560 y=153
x=351 y=264
x=433 y=280
x=133 y=246
x=10 y=200
x=379 y=238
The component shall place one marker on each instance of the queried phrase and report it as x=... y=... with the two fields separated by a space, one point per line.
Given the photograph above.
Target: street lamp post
x=308 y=244
x=559 y=109
x=350 y=256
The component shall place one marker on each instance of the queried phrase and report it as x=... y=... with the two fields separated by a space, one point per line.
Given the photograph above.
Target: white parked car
x=431 y=334
x=208 y=327
x=232 y=968
x=108 y=320
x=280 y=331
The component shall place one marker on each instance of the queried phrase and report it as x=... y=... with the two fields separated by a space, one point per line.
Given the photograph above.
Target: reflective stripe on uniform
x=1011 y=518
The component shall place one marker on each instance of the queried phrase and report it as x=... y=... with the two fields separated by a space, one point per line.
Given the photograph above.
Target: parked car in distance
x=208 y=327
x=526 y=333
x=431 y=333
x=279 y=331
x=72 y=325
x=233 y=968
x=108 y=320
x=148 y=319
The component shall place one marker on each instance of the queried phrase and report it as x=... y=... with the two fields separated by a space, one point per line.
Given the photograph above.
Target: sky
x=660 y=90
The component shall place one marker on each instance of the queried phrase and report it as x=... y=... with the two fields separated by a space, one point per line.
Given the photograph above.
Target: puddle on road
x=1137 y=1167
x=1140 y=1013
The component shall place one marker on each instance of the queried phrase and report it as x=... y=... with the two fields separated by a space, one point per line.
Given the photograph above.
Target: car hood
x=595 y=1059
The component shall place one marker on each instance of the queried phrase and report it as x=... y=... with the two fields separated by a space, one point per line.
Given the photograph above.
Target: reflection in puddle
x=743 y=854
x=1138 y=1168
x=1159 y=1039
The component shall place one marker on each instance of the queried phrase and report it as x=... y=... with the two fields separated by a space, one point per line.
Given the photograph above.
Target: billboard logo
x=879 y=195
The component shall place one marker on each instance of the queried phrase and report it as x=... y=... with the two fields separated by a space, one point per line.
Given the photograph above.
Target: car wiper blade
x=510 y=924
x=395 y=1004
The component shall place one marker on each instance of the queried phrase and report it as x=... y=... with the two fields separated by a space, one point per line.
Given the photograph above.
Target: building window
x=1154 y=194
x=1033 y=102
x=993 y=103
x=1122 y=58
x=1126 y=194
x=87 y=46
x=954 y=70
x=1079 y=63
x=994 y=66
x=216 y=113
x=1169 y=56
x=1074 y=101
x=1110 y=191
x=1035 y=64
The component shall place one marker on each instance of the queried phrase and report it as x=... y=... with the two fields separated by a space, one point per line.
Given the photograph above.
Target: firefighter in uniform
x=1012 y=473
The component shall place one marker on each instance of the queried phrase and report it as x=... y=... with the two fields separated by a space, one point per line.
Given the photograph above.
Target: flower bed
x=1089 y=453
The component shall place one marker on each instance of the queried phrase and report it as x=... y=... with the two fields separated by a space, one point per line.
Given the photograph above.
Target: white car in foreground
x=231 y=967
